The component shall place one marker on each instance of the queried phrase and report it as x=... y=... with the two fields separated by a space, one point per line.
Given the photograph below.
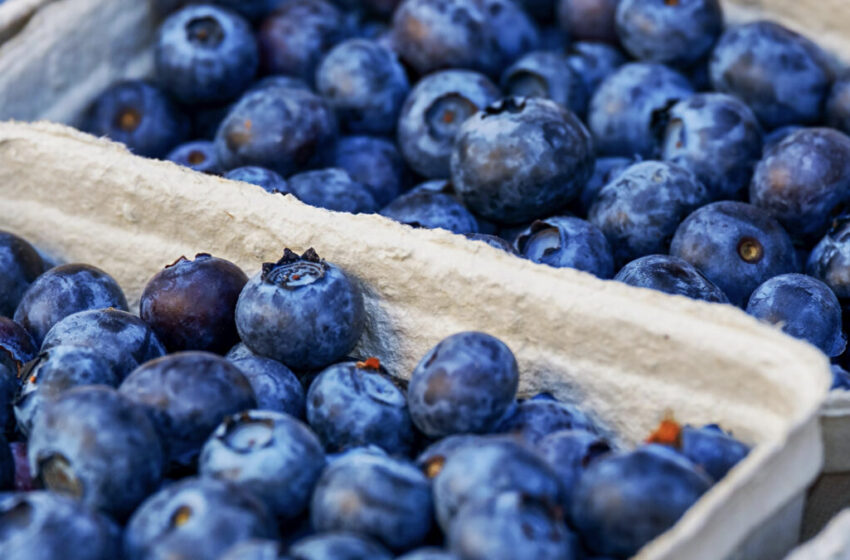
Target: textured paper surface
x=830 y=545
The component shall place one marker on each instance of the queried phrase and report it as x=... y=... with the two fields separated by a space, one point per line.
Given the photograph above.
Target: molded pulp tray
x=833 y=543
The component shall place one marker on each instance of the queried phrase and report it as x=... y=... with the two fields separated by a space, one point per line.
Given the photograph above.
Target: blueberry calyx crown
x=506 y=105
x=183 y=259
x=668 y=432
x=293 y=271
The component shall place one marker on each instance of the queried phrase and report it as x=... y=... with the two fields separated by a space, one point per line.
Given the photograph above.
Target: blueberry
x=65 y=290
x=271 y=455
x=249 y=8
x=372 y=161
x=712 y=449
x=594 y=62
x=354 y=404
x=569 y=453
x=302 y=311
x=199 y=155
x=429 y=553
x=380 y=8
x=7 y=468
x=781 y=75
x=639 y=210
x=803 y=180
x=256 y=549
x=432 y=116
x=432 y=459
x=547 y=74
x=735 y=245
x=274 y=384
x=267 y=179
x=280 y=80
x=333 y=189
x=511 y=526
x=480 y=471
x=20 y=265
x=187 y=395
x=205 y=54
x=607 y=169
x=542 y=10
x=670 y=275
x=829 y=261
x=383 y=498
x=804 y=307
x=366 y=85
x=119 y=337
x=492 y=241
x=463 y=385
x=139 y=115
x=533 y=419
x=778 y=135
x=623 y=501
x=519 y=159
x=838 y=104
x=515 y=33
x=97 y=446
x=276 y=127
x=198 y=518
x=567 y=242
x=294 y=37
x=190 y=304
x=8 y=390
x=431 y=210
x=626 y=106
x=55 y=371
x=840 y=378
x=717 y=138
x=206 y=119
x=588 y=20
x=338 y=546
x=677 y=32
x=16 y=346
x=35 y=525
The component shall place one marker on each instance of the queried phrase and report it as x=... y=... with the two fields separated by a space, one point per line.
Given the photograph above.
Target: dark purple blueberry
x=63 y=291
x=267 y=179
x=366 y=85
x=712 y=449
x=533 y=419
x=274 y=384
x=16 y=346
x=567 y=242
x=333 y=189
x=207 y=118
x=593 y=62
x=670 y=275
x=829 y=261
x=429 y=553
x=547 y=74
x=302 y=311
x=187 y=395
x=375 y=162
x=97 y=446
x=7 y=469
x=191 y=304
x=8 y=390
x=588 y=20
x=515 y=33
x=140 y=116
x=273 y=456
x=432 y=459
x=781 y=75
x=199 y=155
x=280 y=80
x=776 y=136
x=431 y=210
x=20 y=265
x=338 y=546
x=804 y=180
x=838 y=104
x=569 y=453
x=840 y=378
x=605 y=171
x=432 y=116
x=492 y=241
x=256 y=549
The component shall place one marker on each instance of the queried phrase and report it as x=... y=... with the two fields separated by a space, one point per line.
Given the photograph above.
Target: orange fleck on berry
x=370 y=363
x=668 y=432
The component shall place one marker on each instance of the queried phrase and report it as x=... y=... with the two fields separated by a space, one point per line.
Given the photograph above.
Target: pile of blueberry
x=229 y=421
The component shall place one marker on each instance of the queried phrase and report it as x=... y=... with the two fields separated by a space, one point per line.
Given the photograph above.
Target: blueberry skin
x=16 y=346
x=187 y=395
x=20 y=265
x=55 y=371
x=626 y=105
x=431 y=210
x=302 y=311
x=351 y=404
x=377 y=496
x=776 y=136
x=781 y=75
x=200 y=517
x=639 y=211
x=492 y=241
x=533 y=419
x=199 y=155
x=280 y=80
x=712 y=449
x=366 y=85
x=567 y=242
x=670 y=275
x=97 y=446
x=805 y=307
x=515 y=32
x=840 y=378
x=8 y=391
x=276 y=127
x=40 y=524
x=274 y=384
x=63 y=291
x=205 y=54
x=374 y=162
x=838 y=104
x=191 y=304
x=333 y=189
x=432 y=459
x=433 y=114
x=477 y=472
x=569 y=453
x=803 y=180
x=294 y=38
x=594 y=62
x=510 y=526
x=267 y=179
x=462 y=385
x=588 y=20
x=256 y=549
x=735 y=245
x=717 y=138
x=338 y=546
x=624 y=501
x=140 y=116
x=428 y=554
x=676 y=33
x=550 y=160
x=119 y=337
x=829 y=261
x=547 y=74
x=7 y=467
x=271 y=455
x=607 y=169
